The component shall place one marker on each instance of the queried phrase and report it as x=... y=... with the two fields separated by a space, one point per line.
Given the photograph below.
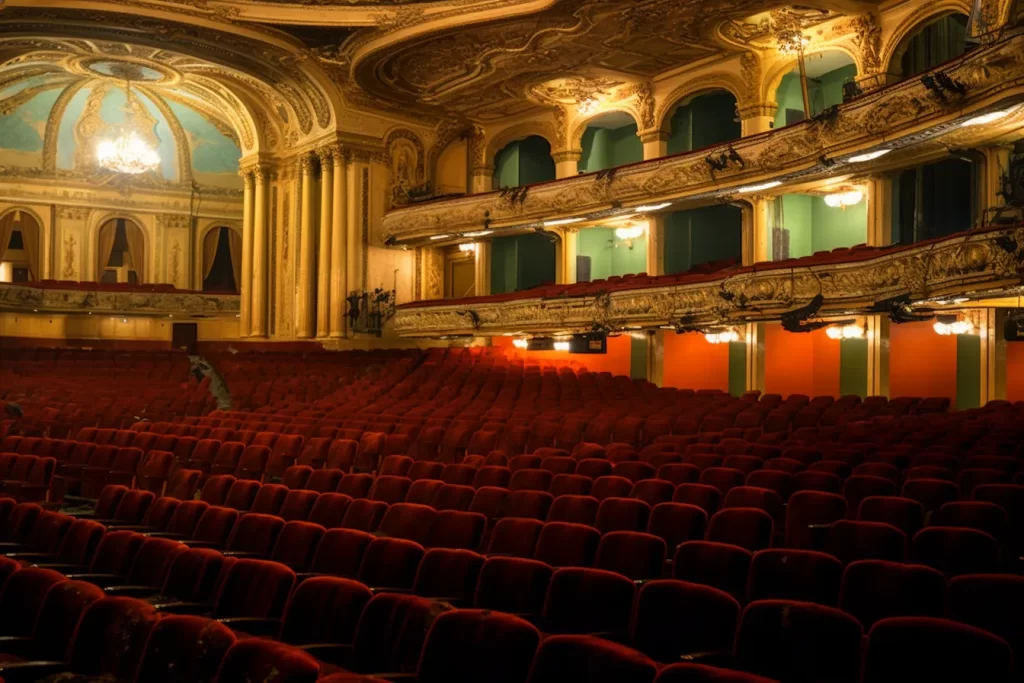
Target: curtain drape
x=104 y=246
x=136 y=249
x=210 y=244
x=235 y=245
x=6 y=229
x=30 y=244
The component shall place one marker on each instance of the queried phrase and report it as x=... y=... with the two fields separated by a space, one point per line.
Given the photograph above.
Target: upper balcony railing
x=987 y=79
x=115 y=299
x=978 y=264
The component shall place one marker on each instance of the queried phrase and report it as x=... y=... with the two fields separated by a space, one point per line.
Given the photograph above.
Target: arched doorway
x=19 y=247
x=523 y=162
x=702 y=121
x=936 y=41
x=610 y=140
x=827 y=73
x=120 y=252
x=222 y=260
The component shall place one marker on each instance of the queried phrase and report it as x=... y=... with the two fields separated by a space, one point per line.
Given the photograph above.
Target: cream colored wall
x=107 y=327
x=451 y=174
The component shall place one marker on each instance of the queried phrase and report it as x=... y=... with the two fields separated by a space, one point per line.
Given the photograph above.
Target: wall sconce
x=948 y=325
x=468 y=247
x=520 y=343
x=562 y=346
x=630 y=232
x=847 y=331
x=722 y=336
x=841 y=200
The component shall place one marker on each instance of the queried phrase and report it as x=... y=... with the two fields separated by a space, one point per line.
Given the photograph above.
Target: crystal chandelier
x=127 y=152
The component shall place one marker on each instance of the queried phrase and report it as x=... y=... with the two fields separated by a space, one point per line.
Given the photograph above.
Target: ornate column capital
x=483 y=170
x=751 y=111
x=564 y=155
x=656 y=135
x=306 y=163
x=325 y=155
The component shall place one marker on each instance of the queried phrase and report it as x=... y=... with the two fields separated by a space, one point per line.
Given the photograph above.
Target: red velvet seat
x=675 y=618
x=876 y=589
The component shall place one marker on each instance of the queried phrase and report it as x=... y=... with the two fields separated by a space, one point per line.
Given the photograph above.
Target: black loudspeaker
x=589 y=343
x=582 y=269
x=1013 y=328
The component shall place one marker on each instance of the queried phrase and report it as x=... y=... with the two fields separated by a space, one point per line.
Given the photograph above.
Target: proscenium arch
x=897 y=44
x=779 y=70
x=695 y=88
x=98 y=220
x=197 y=246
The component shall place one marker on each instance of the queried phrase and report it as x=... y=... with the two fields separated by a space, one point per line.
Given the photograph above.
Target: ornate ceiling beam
x=899 y=116
x=982 y=265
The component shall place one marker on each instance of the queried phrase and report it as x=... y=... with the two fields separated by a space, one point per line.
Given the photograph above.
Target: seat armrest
x=390 y=589
x=29 y=557
x=130 y=591
x=29 y=672
x=100 y=580
x=393 y=677
x=201 y=544
x=165 y=534
x=188 y=608
x=242 y=554
x=253 y=626
x=63 y=568
x=14 y=645
x=138 y=528
x=10 y=546
x=719 y=658
x=332 y=653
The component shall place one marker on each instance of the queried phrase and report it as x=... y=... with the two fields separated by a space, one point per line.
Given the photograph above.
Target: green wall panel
x=968 y=371
x=523 y=162
x=838 y=227
x=506 y=167
x=823 y=92
x=605 y=148
x=609 y=255
x=504 y=252
x=798 y=218
x=853 y=367
x=737 y=368
x=638 y=358
x=698 y=236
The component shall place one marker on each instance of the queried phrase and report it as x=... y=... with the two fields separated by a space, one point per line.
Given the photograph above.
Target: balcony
x=115 y=299
x=905 y=116
x=979 y=264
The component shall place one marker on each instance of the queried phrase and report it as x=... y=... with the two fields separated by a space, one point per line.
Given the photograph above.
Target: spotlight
x=759 y=187
x=797 y=319
x=561 y=221
x=868 y=156
x=521 y=343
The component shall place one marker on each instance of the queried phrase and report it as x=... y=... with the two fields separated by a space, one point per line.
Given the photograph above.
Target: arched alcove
x=610 y=140
x=523 y=162
x=19 y=246
x=936 y=199
x=703 y=120
x=222 y=260
x=520 y=262
x=704 y=235
x=827 y=73
x=935 y=41
x=120 y=252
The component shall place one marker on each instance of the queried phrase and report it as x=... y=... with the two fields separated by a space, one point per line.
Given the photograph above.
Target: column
x=757 y=118
x=656 y=245
x=566 y=265
x=482 y=270
x=997 y=162
x=655 y=144
x=354 y=231
x=879 y=199
x=878 y=355
x=755 y=357
x=566 y=163
x=482 y=179
x=756 y=233
x=260 y=254
x=994 y=351
x=338 y=247
x=323 y=271
x=305 y=306
x=245 y=286
x=656 y=357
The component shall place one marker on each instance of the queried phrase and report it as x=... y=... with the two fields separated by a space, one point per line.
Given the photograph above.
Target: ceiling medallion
x=122 y=68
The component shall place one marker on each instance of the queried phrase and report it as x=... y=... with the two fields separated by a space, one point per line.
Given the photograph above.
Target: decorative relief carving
x=173 y=221
x=69 y=270
x=80 y=300
x=174 y=267
x=980 y=263
x=72 y=213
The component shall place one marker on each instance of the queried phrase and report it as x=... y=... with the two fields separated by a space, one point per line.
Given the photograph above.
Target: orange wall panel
x=921 y=363
x=1015 y=372
x=616 y=361
x=800 y=363
x=690 y=362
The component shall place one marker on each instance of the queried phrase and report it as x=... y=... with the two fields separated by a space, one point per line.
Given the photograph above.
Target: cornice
x=901 y=115
x=981 y=263
x=183 y=304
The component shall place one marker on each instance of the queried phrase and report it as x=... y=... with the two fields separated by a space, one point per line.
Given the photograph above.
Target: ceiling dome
x=55 y=108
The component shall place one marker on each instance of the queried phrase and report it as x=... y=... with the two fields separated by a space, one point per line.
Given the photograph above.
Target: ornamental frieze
x=16 y=297
x=900 y=115
x=984 y=262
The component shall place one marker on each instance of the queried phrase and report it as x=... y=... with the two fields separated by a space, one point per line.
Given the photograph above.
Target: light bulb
x=520 y=343
x=562 y=346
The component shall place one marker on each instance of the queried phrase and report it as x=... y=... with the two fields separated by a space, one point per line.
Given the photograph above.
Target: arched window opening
x=610 y=140
x=222 y=260
x=827 y=74
x=699 y=237
x=938 y=41
x=520 y=262
x=19 y=247
x=935 y=200
x=120 y=252
x=523 y=162
x=702 y=121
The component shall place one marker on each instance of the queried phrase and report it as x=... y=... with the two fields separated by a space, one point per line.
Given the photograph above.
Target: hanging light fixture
x=848 y=331
x=722 y=336
x=841 y=200
x=948 y=325
x=127 y=152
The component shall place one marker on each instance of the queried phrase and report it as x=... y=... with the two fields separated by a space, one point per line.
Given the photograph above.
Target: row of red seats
x=665 y=619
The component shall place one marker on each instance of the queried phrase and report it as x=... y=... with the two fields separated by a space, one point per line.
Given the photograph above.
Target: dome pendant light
x=127 y=152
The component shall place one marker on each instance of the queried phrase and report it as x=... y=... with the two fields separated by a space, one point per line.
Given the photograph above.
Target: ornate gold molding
x=984 y=262
x=18 y=297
